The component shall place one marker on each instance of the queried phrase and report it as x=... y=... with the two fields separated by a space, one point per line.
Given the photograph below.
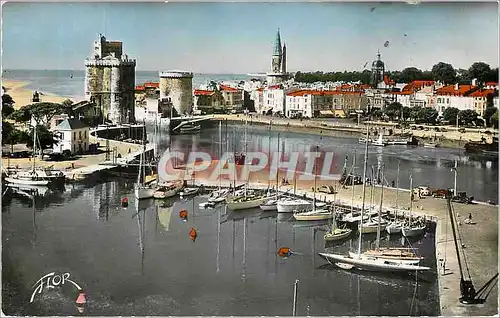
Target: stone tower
x=278 y=72
x=377 y=71
x=110 y=81
x=176 y=89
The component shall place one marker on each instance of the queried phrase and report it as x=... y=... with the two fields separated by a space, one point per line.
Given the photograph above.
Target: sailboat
x=380 y=141
x=412 y=229
x=395 y=226
x=365 y=262
x=31 y=177
x=141 y=190
x=314 y=215
x=246 y=201
x=219 y=195
x=336 y=233
x=374 y=226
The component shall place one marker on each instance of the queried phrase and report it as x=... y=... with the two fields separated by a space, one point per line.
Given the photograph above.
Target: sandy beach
x=22 y=95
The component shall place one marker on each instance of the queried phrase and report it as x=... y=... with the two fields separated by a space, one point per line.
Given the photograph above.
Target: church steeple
x=277 y=44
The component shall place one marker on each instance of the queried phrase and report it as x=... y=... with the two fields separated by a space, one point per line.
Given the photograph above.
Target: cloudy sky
x=238 y=37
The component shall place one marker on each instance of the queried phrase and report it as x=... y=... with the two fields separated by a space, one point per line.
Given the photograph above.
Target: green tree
x=481 y=71
x=7 y=105
x=494 y=119
x=12 y=136
x=393 y=110
x=467 y=117
x=463 y=77
x=450 y=114
x=411 y=74
x=41 y=112
x=45 y=138
x=406 y=113
x=427 y=115
x=444 y=73
x=414 y=113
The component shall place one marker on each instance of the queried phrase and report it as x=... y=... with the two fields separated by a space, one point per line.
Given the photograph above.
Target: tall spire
x=277 y=44
x=378 y=54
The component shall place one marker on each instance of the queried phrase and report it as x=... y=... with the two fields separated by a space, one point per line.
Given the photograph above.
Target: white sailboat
x=412 y=229
x=31 y=177
x=380 y=141
x=288 y=205
x=374 y=226
x=314 y=215
x=335 y=233
x=365 y=262
x=395 y=226
x=246 y=201
x=141 y=190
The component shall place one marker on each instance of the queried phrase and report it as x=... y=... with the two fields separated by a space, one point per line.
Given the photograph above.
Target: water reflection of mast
x=34 y=217
x=141 y=231
x=218 y=235
x=244 y=248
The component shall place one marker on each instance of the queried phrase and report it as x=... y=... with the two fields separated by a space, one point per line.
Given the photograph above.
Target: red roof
x=260 y=89
x=229 y=89
x=491 y=83
x=403 y=92
x=320 y=93
x=482 y=93
x=275 y=86
x=202 y=92
x=388 y=81
x=451 y=91
x=139 y=88
x=152 y=85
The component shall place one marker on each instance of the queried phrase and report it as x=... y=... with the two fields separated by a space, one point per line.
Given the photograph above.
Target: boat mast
x=34 y=145
x=352 y=180
x=411 y=198
x=278 y=164
x=143 y=169
x=380 y=210
x=245 y=159
x=315 y=174
x=364 y=191
x=220 y=151
x=269 y=156
x=397 y=186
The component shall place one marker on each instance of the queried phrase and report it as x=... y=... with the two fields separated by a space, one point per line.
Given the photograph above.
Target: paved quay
x=480 y=239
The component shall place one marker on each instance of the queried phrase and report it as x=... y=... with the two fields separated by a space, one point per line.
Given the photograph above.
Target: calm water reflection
x=478 y=175
x=141 y=261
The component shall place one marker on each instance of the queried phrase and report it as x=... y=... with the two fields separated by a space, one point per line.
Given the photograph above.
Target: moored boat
x=288 y=205
x=315 y=215
x=270 y=205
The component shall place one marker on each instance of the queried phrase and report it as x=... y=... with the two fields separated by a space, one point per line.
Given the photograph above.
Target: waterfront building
x=273 y=100
x=310 y=103
x=110 y=81
x=233 y=97
x=147 y=106
x=258 y=99
x=73 y=135
x=480 y=99
x=176 y=90
x=457 y=96
x=346 y=103
x=278 y=73
x=209 y=101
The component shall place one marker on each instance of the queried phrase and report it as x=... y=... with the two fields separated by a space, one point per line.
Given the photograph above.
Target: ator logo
x=261 y=166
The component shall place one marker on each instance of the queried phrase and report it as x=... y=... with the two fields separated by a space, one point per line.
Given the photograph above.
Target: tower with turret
x=378 y=69
x=278 y=73
x=110 y=81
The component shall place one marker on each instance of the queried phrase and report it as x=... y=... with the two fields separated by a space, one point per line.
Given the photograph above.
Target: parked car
x=424 y=191
x=440 y=193
x=462 y=197
x=327 y=189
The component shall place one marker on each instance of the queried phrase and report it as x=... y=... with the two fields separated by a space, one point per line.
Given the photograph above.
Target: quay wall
x=450 y=139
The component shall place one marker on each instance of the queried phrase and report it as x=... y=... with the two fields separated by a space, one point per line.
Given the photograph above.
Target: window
x=439 y=100
x=447 y=100
x=80 y=134
x=74 y=135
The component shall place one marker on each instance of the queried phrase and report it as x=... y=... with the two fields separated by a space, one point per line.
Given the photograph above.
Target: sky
x=237 y=38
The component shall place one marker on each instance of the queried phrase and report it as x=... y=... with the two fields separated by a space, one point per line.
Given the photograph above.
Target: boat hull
x=290 y=206
x=164 y=194
x=189 y=191
x=393 y=228
x=143 y=193
x=268 y=207
x=411 y=261
x=308 y=216
x=337 y=236
x=412 y=232
x=250 y=204
x=372 y=265
x=27 y=181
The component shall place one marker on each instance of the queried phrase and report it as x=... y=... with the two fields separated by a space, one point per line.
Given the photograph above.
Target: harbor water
x=140 y=260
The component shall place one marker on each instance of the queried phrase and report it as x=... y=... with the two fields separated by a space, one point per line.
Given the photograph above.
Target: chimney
x=474 y=82
x=456 y=87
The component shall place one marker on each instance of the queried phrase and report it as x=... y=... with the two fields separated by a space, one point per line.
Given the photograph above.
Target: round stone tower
x=177 y=87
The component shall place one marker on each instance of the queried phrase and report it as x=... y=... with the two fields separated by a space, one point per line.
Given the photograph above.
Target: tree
x=467 y=117
x=411 y=74
x=444 y=73
x=7 y=105
x=12 y=136
x=450 y=114
x=393 y=110
x=481 y=71
x=414 y=112
x=406 y=113
x=45 y=138
x=494 y=119
x=42 y=112
x=427 y=115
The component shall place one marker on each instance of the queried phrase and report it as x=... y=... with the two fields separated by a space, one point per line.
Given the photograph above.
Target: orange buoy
x=193 y=234
x=183 y=214
x=284 y=252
